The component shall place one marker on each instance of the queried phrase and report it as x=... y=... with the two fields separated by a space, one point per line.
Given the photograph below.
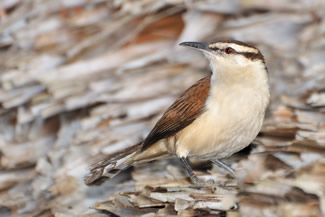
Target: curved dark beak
x=197 y=45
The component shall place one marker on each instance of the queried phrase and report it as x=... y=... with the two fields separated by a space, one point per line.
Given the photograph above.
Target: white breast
x=232 y=120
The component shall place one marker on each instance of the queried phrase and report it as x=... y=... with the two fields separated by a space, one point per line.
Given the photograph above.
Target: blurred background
x=81 y=79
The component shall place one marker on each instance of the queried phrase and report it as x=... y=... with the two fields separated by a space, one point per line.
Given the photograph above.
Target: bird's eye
x=228 y=50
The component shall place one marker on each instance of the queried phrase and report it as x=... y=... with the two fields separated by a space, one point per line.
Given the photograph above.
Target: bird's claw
x=197 y=181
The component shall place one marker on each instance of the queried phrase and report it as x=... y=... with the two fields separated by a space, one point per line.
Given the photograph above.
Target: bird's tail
x=111 y=166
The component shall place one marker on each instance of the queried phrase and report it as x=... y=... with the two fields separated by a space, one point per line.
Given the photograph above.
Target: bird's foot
x=195 y=180
x=224 y=166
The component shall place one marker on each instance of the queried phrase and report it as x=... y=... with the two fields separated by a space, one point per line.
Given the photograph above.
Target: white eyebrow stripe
x=237 y=47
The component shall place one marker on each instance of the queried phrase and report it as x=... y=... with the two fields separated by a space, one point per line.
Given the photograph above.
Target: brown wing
x=181 y=113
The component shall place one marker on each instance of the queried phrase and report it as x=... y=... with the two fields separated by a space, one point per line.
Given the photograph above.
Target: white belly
x=230 y=124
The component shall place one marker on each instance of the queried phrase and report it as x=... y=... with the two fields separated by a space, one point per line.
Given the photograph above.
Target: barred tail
x=111 y=166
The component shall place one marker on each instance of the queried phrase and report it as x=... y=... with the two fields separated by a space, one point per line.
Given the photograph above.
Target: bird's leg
x=224 y=166
x=189 y=170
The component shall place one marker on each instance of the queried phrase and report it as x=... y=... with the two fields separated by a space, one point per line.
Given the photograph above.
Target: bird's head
x=231 y=59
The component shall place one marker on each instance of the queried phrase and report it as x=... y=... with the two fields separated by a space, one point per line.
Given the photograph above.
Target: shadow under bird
x=216 y=117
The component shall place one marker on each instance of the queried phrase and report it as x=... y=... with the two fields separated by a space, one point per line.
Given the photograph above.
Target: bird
x=216 y=117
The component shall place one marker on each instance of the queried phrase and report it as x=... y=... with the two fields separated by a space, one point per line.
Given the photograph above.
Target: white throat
x=239 y=81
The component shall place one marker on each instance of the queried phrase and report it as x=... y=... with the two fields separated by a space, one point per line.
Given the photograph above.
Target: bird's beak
x=197 y=45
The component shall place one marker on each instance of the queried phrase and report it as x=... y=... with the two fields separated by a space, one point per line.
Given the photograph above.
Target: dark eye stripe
x=248 y=55
x=222 y=49
x=215 y=48
x=252 y=56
